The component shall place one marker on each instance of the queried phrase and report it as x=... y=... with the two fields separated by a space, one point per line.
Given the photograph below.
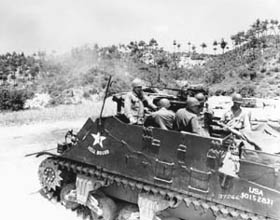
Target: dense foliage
x=13 y=99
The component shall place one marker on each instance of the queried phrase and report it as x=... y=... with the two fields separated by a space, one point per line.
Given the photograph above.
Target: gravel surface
x=19 y=183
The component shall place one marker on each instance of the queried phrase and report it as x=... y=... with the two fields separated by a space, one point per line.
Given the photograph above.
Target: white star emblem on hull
x=98 y=139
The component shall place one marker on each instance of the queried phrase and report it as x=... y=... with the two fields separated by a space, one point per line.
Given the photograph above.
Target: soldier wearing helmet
x=186 y=119
x=236 y=117
x=201 y=98
x=237 y=99
x=203 y=110
x=162 y=118
x=135 y=102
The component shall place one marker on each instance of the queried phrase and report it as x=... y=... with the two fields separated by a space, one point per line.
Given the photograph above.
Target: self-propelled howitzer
x=182 y=174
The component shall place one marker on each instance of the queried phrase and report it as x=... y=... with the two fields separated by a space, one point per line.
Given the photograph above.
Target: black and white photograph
x=140 y=110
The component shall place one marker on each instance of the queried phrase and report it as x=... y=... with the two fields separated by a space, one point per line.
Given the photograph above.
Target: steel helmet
x=164 y=103
x=191 y=101
x=200 y=97
x=237 y=98
x=136 y=83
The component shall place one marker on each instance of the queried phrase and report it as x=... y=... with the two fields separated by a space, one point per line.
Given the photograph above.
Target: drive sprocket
x=49 y=174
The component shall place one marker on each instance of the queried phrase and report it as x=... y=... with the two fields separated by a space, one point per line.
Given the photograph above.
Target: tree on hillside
x=162 y=62
x=278 y=35
x=142 y=45
x=215 y=44
x=193 y=49
x=264 y=27
x=203 y=46
x=215 y=48
x=174 y=45
x=241 y=37
x=174 y=56
x=254 y=41
x=189 y=46
x=274 y=28
x=273 y=25
x=42 y=55
x=256 y=35
x=153 y=43
x=133 y=46
x=234 y=40
x=153 y=49
x=238 y=39
x=178 y=47
x=223 y=44
x=257 y=28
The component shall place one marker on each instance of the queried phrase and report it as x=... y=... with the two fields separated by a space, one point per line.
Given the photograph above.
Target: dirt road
x=19 y=180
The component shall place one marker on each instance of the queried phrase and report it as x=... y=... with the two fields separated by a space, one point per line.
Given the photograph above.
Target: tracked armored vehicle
x=183 y=175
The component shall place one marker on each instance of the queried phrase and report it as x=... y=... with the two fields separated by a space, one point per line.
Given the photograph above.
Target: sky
x=59 y=25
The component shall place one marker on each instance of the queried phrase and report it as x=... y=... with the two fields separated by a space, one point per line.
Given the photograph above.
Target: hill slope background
x=251 y=66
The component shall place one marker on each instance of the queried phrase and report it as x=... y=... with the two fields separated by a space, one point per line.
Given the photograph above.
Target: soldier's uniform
x=162 y=118
x=236 y=117
x=133 y=108
x=186 y=119
x=134 y=103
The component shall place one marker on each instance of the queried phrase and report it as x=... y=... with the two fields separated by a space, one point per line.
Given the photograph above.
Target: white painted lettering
x=256 y=191
x=97 y=152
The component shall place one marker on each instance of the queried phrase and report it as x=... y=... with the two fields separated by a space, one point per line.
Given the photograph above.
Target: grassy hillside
x=253 y=73
x=251 y=67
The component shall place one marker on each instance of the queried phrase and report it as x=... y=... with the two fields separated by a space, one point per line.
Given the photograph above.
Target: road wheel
x=108 y=207
x=65 y=198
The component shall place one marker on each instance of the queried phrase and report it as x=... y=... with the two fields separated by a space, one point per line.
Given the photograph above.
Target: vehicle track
x=220 y=211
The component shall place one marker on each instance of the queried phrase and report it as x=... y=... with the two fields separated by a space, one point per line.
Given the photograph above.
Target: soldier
x=162 y=118
x=236 y=118
x=134 y=103
x=201 y=98
x=203 y=110
x=186 y=119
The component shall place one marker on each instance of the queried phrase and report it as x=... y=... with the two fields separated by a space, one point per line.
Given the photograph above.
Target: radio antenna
x=105 y=96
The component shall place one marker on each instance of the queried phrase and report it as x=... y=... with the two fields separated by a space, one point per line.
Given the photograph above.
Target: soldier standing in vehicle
x=236 y=118
x=135 y=102
x=203 y=110
x=186 y=119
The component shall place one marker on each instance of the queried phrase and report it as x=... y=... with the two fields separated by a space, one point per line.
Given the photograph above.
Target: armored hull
x=183 y=173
